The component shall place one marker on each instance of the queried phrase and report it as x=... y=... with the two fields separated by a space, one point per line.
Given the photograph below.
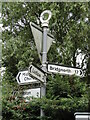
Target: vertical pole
x=44 y=52
x=44 y=60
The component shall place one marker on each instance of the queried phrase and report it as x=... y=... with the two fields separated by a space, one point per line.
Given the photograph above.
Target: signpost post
x=44 y=52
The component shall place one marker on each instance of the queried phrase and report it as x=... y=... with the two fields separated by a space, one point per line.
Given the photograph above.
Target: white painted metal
x=35 y=72
x=38 y=37
x=24 y=78
x=65 y=70
x=32 y=93
x=82 y=116
x=44 y=21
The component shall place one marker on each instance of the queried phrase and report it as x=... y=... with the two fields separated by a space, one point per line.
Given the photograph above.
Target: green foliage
x=65 y=94
x=19 y=109
x=65 y=86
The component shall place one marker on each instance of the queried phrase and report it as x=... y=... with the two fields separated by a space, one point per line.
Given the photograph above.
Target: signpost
x=23 y=78
x=43 y=42
x=37 y=73
x=64 y=70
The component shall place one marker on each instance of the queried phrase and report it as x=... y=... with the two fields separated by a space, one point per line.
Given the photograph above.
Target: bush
x=14 y=109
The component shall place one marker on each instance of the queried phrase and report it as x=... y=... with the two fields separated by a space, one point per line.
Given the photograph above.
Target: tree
x=70 y=26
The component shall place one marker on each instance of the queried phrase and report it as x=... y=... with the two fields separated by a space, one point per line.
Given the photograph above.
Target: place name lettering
x=27 y=78
x=65 y=70
x=27 y=93
x=25 y=74
x=36 y=72
x=60 y=69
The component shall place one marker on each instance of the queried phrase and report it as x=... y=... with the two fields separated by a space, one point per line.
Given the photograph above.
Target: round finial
x=45 y=21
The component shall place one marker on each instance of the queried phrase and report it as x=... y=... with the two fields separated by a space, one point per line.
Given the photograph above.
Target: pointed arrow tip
x=18 y=78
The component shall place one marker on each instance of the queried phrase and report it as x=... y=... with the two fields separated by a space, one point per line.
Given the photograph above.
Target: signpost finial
x=44 y=20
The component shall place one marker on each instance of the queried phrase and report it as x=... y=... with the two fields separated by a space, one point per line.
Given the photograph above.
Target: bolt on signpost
x=44 y=50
